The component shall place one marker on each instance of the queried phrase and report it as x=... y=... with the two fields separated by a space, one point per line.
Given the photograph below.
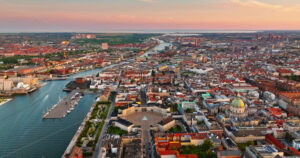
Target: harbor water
x=23 y=132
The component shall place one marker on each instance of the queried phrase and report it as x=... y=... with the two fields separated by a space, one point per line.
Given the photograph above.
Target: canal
x=23 y=132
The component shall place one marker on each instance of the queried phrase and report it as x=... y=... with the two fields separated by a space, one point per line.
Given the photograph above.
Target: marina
x=64 y=106
x=16 y=131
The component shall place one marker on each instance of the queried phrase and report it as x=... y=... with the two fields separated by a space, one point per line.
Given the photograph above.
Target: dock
x=64 y=106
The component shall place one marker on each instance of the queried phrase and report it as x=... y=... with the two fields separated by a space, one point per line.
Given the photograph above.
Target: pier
x=64 y=106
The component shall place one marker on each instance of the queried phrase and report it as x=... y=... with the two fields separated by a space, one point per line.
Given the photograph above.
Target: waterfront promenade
x=96 y=153
x=34 y=136
x=77 y=134
x=98 y=146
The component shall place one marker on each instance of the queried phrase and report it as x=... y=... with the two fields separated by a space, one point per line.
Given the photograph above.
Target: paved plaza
x=145 y=120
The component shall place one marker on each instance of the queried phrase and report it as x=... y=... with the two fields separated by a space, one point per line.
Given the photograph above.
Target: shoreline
x=7 y=100
x=78 y=132
x=74 y=139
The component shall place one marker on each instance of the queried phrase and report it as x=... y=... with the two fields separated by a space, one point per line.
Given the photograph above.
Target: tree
x=203 y=150
x=116 y=110
x=174 y=108
x=242 y=146
x=153 y=73
x=116 y=130
x=207 y=145
x=189 y=110
x=175 y=129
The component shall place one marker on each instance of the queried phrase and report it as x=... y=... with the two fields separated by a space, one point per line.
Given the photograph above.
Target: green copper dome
x=238 y=102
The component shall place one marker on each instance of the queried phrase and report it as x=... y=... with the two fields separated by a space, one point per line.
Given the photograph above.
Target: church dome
x=238 y=102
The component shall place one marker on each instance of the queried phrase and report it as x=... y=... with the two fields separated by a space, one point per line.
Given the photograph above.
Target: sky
x=137 y=15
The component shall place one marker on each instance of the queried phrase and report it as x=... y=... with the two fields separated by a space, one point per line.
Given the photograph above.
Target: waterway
x=23 y=132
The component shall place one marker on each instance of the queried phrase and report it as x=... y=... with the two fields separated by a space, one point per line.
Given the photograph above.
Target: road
x=96 y=153
x=143 y=96
x=152 y=118
x=103 y=131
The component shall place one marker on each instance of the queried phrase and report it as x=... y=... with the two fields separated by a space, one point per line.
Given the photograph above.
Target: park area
x=93 y=127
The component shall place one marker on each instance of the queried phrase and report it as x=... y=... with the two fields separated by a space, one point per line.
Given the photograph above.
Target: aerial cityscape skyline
x=134 y=15
x=150 y=95
x=149 y=79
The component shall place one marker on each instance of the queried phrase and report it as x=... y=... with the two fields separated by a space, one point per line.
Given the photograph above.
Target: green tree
x=207 y=145
x=242 y=146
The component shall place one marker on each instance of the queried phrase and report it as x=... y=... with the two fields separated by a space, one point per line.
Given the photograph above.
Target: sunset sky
x=110 y=15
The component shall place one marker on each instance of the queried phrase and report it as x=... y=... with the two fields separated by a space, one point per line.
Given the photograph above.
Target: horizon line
x=165 y=31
